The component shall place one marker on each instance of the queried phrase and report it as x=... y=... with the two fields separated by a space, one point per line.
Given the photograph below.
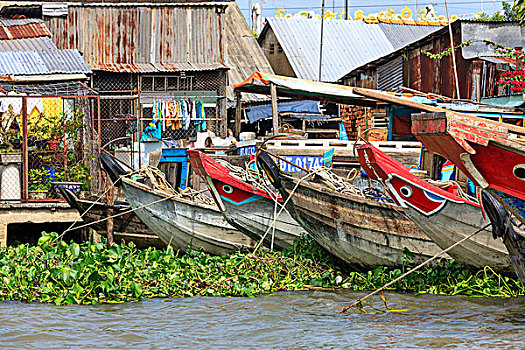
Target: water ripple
x=302 y=320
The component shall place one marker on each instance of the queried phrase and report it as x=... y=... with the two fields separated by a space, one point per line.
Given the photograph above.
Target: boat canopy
x=298 y=109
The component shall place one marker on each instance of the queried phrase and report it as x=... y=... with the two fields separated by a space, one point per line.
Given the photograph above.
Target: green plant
x=80 y=173
x=39 y=180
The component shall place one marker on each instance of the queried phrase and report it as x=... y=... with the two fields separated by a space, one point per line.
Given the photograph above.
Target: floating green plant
x=61 y=273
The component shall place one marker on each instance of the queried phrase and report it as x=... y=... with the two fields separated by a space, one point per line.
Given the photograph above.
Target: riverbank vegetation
x=61 y=273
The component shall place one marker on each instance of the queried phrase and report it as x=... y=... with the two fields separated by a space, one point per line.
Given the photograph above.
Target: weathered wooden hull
x=127 y=227
x=455 y=222
x=443 y=216
x=245 y=207
x=475 y=145
x=361 y=232
x=184 y=224
x=255 y=218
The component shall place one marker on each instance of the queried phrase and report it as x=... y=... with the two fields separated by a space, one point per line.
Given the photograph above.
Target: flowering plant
x=514 y=79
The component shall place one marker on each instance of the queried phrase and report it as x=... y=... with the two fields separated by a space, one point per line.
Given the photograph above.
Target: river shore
x=89 y=273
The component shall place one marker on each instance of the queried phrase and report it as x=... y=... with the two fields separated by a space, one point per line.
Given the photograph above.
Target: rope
x=358 y=301
x=462 y=194
x=123 y=213
x=283 y=206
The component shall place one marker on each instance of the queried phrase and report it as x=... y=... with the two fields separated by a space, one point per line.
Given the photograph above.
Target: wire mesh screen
x=110 y=81
x=46 y=142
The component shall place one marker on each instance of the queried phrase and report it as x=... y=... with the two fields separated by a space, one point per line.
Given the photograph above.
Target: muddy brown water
x=298 y=320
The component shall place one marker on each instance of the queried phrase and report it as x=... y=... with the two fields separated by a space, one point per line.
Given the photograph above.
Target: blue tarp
x=256 y=113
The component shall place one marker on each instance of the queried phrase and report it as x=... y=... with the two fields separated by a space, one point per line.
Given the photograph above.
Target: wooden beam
x=238 y=115
x=275 y=114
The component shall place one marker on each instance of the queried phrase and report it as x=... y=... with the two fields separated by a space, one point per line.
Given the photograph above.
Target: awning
x=511 y=101
x=259 y=83
x=255 y=113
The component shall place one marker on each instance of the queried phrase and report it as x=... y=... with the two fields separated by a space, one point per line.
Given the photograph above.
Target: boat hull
x=184 y=224
x=362 y=233
x=475 y=145
x=256 y=217
x=127 y=227
x=247 y=208
x=443 y=216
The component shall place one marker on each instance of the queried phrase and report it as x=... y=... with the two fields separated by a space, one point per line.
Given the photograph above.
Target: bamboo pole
x=238 y=114
x=321 y=44
x=453 y=52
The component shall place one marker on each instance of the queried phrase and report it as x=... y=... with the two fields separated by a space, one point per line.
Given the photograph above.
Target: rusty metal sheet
x=129 y=37
x=31 y=30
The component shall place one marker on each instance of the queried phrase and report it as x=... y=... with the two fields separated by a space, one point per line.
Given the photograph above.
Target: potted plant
x=39 y=183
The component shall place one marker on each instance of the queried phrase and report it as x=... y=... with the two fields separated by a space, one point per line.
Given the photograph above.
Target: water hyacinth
x=89 y=273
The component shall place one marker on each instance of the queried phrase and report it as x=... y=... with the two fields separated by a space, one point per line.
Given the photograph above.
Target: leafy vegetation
x=61 y=273
x=511 y=12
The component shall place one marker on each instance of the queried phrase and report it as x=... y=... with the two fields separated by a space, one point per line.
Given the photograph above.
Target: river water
x=299 y=320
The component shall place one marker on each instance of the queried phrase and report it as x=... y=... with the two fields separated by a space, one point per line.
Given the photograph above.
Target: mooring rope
x=120 y=214
x=283 y=207
x=359 y=301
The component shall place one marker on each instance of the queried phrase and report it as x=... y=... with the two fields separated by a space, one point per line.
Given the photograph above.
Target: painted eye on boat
x=227 y=189
x=406 y=191
x=519 y=171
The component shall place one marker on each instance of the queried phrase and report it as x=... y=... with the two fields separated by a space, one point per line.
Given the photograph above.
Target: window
x=166 y=83
x=272 y=49
x=279 y=48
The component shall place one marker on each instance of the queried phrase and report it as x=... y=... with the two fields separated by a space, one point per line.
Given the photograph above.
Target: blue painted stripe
x=249 y=200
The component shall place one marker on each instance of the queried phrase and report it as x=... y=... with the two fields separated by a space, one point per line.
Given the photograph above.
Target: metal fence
x=47 y=140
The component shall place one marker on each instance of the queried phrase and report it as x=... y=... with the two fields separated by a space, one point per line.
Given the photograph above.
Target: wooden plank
x=238 y=112
x=275 y=114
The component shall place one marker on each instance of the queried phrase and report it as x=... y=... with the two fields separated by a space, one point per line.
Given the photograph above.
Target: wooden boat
x=443 y=216
x=491 y=154
x=246 y=207
x=361 y=231
x=127 y=227
x=475 y=145
x=179 y=222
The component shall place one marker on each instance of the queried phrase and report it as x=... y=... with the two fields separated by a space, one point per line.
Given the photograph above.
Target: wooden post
x=238 y=115
x=25 y=152
x=109 y=222
x=275 y=113
x=3 y=235
x=453 y=52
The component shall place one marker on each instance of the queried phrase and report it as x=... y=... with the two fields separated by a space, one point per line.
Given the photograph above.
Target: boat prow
x=445 y=217
x=249 y=208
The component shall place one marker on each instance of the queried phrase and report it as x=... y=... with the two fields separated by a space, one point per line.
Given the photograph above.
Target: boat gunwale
x=167 y=196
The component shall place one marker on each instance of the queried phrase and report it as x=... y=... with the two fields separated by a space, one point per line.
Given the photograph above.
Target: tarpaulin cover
x=256 y=113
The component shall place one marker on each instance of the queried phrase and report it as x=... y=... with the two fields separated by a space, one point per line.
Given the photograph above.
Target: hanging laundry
x=185 y=115
x=194 y=116
x=200 y=116
x=152 y=130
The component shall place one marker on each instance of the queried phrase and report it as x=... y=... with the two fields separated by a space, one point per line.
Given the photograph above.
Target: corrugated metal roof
x=400 y=35
x=346 y=46
x=155 y=67
x=139 y=38
x=8 y=22
x=244 y=55
x=26 y=29
x=42 y=62
x=28 y=44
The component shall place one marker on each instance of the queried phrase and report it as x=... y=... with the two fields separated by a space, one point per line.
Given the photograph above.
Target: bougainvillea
x=514 y=79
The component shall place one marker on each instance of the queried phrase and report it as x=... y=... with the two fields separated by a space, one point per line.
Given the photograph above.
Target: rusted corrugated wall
x=477 y=78
x=140 y=34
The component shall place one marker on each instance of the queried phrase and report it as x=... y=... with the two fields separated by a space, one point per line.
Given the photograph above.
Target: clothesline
x=175 y=115
x=180 y=98
x=191 y=119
